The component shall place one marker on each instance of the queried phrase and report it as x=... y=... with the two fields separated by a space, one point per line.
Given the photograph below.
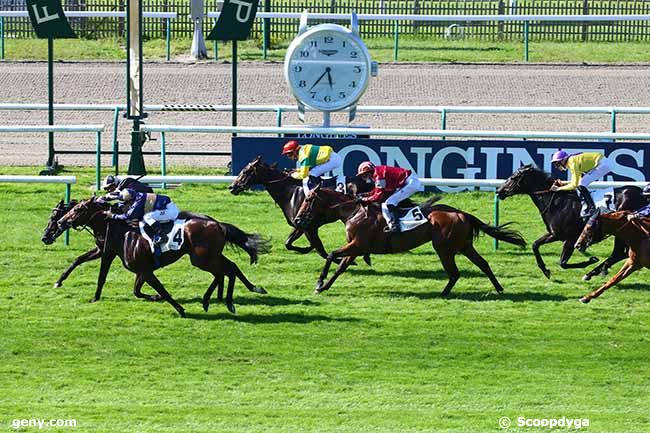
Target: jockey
x=153 y=209
x=585 y=167
x=312 y=160
x=644 y=211
x=113 y=187
x=392 y=185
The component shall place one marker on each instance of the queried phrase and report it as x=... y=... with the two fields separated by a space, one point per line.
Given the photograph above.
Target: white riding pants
x=164 y=215
x=333 y=163
x=602 y=169
x=411 y=186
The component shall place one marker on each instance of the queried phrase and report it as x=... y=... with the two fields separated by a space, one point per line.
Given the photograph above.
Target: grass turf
x=380 y=352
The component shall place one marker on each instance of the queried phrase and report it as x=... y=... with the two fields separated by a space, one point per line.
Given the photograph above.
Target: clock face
x=327 y=68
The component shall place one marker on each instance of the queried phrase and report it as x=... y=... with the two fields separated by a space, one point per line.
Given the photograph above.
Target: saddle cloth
x=604 y=199
x=337 y=183
x=174 y=234
x=410 y=218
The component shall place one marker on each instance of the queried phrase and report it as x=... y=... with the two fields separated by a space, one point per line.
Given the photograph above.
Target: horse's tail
x=497 y=232
x=254 y=244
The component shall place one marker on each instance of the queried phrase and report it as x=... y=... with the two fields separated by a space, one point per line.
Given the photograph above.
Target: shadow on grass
x=625 y=286
x=415 y=273
x=269 y=319
x=483 y=296
x=442 y=49
x=272 y=301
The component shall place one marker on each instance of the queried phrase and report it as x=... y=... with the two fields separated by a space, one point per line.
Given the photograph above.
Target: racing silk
x=578 y=165
x=310 y=156
x=387 y=181
x=644 y=212
x=142 y=204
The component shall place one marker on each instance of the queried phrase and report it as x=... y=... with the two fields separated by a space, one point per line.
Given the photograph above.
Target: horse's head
x=591 y=233
x=81 y=214
x=256 y=172
x=315 y=204
x=50 y=234
x=525 y=180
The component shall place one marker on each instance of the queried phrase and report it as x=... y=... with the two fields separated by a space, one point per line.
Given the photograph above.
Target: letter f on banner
x=48 y=19
x=235 y=21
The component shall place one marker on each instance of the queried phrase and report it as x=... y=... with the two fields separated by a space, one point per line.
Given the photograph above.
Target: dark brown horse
x=635 y=234
x=288 y=193
x=204 y=241
x=560 y=212
x=450 y=231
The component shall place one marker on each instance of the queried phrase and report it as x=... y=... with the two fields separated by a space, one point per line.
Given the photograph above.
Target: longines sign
x=478 y=159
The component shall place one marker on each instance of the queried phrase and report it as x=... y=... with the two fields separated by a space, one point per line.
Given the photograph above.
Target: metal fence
x=283 y=29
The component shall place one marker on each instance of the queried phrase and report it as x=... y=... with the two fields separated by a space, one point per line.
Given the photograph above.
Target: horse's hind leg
x=250 y=286
x=618 y=253
x=448 y=261
x=628 y=267
x=154 y=282
x=474 y=256
x=217 y=282
x=137 y=290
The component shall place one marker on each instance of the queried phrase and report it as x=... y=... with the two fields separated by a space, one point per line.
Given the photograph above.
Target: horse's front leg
x=348 y=250
x=137 y=290
x=315 y=242
x=105 y=265
x=345 y=263
x=545 y=239
x=567 y=251
x=85 y=257
x=154 y=282
x=628 y=267
x=293 y=236
x=618 y=253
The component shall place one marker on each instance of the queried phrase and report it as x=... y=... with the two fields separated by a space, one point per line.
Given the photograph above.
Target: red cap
x=290 y=146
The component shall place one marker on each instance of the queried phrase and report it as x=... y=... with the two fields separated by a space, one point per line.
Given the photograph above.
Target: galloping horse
x=450 y=231
x=634 y=233
x=204 y=240
x=288 y=193
x=560 y=212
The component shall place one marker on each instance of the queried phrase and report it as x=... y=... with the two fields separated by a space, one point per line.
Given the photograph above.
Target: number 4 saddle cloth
x=174 y=234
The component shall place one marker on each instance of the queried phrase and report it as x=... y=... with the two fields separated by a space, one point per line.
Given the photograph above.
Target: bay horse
x=204 y=241
x=450 y=231
x=635 y=234
x=560 y=212
x=288 y=194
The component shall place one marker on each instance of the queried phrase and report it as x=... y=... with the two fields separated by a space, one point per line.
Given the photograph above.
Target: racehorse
x=451 y=231
x=288 y=193
x=204 y=241
x=635 y=234
x=560 y=212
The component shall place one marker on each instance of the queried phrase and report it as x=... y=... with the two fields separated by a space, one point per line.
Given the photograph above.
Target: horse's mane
x=531 y=167
x=275 y=170
x=333 y=194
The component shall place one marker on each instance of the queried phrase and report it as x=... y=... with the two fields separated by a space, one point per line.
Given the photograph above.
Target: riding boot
x=585 y=198
x=393 y=224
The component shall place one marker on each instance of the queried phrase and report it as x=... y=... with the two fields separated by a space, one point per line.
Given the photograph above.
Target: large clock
x=328 y=67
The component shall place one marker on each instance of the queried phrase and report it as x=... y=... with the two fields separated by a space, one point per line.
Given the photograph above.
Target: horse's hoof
x=259 y=290
x=206 y=306
x=586 y=277
x=593 y=259
x=93 y=300
x=231 y=308
x=585 y=300
x=547 y=273
x=181 y=313
x=57 y=285
x=445 y=293
x=500 y=292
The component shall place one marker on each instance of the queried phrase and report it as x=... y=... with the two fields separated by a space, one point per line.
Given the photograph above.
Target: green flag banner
x=235 y=21
x=48 y=19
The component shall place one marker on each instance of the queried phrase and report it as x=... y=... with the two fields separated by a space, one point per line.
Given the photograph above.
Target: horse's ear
x=258 y=158
x=274 y=165
x=60 y=203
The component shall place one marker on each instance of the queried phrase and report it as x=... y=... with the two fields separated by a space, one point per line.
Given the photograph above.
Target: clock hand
x=329 y=77
x=319 y=78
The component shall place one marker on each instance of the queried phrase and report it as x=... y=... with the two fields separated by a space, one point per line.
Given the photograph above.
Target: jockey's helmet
x=646 y=189
x=126 y=195
x=558 y=156
x=290 y=146
x=365 y=168
x=108 y=182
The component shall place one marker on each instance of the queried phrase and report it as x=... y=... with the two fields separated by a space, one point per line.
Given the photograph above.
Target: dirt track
x=263 y=83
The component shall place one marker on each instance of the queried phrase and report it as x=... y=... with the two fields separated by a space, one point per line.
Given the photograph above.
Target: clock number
x=313 y=94
x=353 y=84
x=302 y=83
x=342 y=95
x=344 y=44
x=304 y=53
x=328 y=39
x=357 y=69
x=297 y=68
x=354 y=55
x=313 y=43
x=328 y=98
